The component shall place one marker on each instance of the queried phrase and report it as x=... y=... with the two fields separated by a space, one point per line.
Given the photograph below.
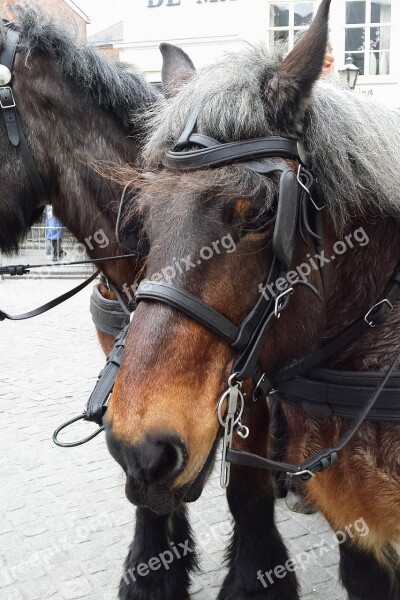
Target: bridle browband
x=14 y=129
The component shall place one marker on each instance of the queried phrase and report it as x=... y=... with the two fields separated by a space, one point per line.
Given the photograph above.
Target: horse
x=80 y=113
x=248 y=119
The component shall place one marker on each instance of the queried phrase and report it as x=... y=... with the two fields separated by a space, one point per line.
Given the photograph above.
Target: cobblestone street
x=65 y=524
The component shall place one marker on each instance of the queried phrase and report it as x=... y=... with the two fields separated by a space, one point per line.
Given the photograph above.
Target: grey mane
x=353 y=140
x=113 y=86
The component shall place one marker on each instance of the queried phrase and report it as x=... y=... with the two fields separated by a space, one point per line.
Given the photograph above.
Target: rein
x=20 y=270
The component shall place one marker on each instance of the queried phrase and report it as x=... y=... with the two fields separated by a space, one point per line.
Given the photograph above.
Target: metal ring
x=221 y=404
x=81 y=417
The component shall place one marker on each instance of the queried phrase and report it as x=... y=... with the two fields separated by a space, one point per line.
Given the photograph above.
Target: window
x=368 y=35
x=287 y=19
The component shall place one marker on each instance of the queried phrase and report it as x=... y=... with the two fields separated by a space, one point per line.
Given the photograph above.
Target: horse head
x=229 y=225
x=211 y=233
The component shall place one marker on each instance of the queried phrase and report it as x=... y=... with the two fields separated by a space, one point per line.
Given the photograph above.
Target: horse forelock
x=114 y=86
x=352 y=139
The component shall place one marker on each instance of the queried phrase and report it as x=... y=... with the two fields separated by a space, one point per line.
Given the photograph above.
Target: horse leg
x=295 y=495
x=259 y=566
x=365 y=578
x=160 y=558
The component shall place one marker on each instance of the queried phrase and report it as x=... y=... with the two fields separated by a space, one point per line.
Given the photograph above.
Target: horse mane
x=114 y=86
x=352 y=140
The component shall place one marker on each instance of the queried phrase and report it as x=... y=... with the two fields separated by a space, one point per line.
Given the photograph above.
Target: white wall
x=206 y=29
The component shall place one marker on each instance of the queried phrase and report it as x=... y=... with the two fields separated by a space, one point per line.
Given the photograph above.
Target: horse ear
x=289 y=90
x=177 y=68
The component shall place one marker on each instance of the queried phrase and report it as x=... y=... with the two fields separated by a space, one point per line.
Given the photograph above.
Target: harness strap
x=9 y=48
x=11 y=119
x=322 y=461
x=98 y=399
x=20 y=270
x=7 y=58
x=7 y=103
x=327 y=393
x=376 y=316
x=49 y=305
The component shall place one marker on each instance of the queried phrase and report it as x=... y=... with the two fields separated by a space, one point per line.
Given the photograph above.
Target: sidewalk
x=65 y=524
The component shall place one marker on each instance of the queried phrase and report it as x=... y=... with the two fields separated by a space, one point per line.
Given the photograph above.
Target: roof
x=110 y=35
x=78 y=10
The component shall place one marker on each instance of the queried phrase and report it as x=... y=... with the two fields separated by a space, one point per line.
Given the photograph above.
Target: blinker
x=286 y=219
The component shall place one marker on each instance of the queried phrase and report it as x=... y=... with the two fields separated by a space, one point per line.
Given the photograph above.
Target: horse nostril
x=161 y=457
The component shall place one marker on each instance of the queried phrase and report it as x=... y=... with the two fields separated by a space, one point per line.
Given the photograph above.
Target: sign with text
x=157 y=3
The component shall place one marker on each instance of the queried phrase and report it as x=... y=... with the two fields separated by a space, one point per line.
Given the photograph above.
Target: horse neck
x=359 y=279
x=87 y=201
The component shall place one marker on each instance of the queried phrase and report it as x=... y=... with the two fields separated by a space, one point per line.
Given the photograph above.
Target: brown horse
x=211 y=233
x=80 y=113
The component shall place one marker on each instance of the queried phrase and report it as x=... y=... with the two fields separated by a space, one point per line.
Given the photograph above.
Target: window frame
x=292 y=29
x=339 y=35
x=368 y=26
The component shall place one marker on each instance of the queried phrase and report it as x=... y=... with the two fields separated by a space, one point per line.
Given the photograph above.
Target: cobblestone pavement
x=65 y=523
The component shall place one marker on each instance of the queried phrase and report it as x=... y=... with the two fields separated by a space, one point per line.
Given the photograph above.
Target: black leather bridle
x=320 y=392
x=296 y=193
x=8 y=105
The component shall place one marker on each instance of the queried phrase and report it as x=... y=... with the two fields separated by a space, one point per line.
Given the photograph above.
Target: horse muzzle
x=151 y=468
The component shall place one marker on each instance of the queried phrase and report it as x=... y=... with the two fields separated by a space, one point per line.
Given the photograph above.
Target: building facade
x=366 y=30
x=66 y=10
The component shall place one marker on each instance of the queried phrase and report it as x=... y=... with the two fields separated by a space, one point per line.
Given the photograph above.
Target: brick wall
x=109 y=50
x=57 y=7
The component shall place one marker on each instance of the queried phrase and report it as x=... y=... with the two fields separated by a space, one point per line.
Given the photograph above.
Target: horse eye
x=259 y=217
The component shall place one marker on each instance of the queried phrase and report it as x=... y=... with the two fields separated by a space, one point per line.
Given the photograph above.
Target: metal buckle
x=270 y=393
x=279 y=304
x=12 y=98
x=371 y=310
x=305 y=188
x=300 y=473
